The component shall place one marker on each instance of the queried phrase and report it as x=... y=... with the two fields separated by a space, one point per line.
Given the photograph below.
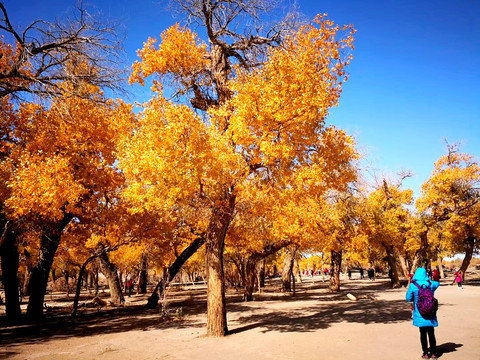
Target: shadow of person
x=447 y=348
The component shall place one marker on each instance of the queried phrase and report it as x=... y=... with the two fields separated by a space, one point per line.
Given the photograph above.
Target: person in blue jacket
x=426 y=326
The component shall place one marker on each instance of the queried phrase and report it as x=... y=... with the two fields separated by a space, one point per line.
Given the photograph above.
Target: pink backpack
x=427 y=305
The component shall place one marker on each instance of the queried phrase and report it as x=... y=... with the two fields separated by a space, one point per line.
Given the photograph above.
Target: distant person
x=436 y=275
x=426 y=323
x=458 y=279
x=349 y=272
x=410 y=276
x=362 y=276
x=130 y=287
x=371 y=274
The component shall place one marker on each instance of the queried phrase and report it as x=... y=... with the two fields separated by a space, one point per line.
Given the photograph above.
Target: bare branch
x=50 y=52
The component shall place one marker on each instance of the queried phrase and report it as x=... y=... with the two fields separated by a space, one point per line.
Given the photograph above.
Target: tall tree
x=60 y=165
x=452 y=195
x=264 y=117
x=386 y=221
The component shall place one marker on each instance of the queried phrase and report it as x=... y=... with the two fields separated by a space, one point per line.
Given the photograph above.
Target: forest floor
x=314 y=324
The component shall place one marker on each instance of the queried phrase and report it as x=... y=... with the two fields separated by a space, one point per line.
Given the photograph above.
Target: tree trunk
x=173 y=270
x=96 y=280
x=10 y=262
x=261 y=274
x=296 y=271
x=110 y=272
x=66 y=276
x=41 y=270
x=392 y=263
x=142 y=275
x=215 y=242
x=250 y=273
x=421 y=256
x=440 y=267
x=469 y=248
x=288 y=261
x=403 y=264
x=79 y=284
x=26 y=281
x=336 y=265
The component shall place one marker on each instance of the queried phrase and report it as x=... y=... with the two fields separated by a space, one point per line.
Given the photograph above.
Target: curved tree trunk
x=288 y=261
x=392 y=263
x=41 y=270
x=79 y=284
x=110 y=272
x=336 y=265
x=10 y=262
x=469 y=248
x=215 y=242
x=173 y=270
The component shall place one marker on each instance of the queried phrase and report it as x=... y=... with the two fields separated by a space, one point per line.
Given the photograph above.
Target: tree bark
x=110 y=272
x=79 y=284
x=296 y=270
x=66 y=276
x=469 y=248
x=421 y=256
x=215 y=242
x=336 y=265
x=288 y=261
x=41 y=270
x=173 y=270
x=250 y=274
x=392 y=263
x=256 y=267
x=26 y=281
x=261 y=274
x=440 y=267
x=403 y=264
x=10 y=262
x=142 y=275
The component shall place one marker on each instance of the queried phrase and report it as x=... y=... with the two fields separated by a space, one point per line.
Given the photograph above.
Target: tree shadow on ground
x=104 y=322
x=326 y=308
x=323 y=316
x=447 y=348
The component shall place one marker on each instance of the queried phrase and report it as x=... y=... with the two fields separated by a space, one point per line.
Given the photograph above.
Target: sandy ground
x=312 y=325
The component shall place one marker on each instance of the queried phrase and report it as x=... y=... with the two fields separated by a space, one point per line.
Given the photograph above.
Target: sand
x=312 y=325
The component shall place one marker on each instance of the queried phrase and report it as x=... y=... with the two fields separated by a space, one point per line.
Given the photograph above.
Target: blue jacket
x=412 y=295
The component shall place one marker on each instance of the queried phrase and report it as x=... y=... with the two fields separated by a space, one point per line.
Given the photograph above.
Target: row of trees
x=240 y=159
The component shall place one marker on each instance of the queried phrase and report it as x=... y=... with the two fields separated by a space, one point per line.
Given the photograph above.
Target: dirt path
x=313 y=325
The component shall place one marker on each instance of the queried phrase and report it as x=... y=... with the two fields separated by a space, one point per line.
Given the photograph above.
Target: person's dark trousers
x=430 y=330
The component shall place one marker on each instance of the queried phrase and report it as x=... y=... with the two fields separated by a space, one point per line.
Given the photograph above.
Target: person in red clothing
x=436 y=275
x=458 y=279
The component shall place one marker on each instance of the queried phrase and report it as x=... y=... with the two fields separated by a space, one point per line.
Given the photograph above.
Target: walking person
x=458 y=278
x=425 y=322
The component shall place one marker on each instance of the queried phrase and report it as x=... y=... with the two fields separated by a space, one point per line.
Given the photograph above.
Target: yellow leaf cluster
x=180 y=53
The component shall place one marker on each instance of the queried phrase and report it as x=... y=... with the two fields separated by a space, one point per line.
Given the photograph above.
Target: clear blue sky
x=414 y=80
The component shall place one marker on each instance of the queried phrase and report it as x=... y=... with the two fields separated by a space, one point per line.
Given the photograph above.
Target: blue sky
x=414 y=80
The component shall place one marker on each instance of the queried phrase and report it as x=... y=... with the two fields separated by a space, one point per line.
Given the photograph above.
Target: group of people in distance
x=370 y=273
